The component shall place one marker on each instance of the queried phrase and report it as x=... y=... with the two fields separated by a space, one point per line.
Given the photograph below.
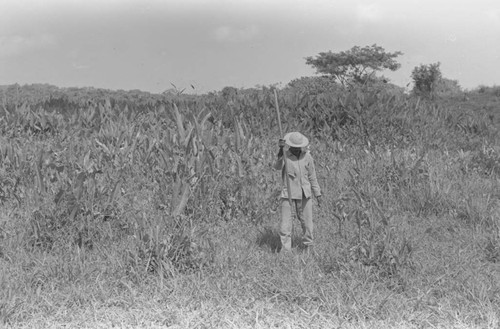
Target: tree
x=426 y=78
x=356 y=65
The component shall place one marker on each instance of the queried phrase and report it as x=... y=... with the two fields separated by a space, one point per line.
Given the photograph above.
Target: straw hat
x=296 y=139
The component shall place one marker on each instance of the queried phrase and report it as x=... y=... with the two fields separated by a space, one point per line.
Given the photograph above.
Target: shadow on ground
x=269 y=237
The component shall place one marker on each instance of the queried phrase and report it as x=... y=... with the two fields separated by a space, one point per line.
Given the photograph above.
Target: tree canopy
x=356 y=65
x=425 y=78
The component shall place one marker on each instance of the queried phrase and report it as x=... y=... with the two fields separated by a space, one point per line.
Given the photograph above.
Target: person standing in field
x=303 y=184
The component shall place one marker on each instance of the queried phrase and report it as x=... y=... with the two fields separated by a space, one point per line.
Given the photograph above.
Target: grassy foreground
x=407 y=237
x=449 y=277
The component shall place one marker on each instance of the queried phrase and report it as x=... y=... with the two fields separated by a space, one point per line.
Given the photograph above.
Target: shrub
x=425 y=79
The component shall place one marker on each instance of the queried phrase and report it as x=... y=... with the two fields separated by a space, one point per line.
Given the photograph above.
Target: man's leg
x=307 y=222
x=286 y=225
x=300 y=215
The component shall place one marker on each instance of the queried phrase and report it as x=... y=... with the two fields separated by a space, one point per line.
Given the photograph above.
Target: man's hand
x=281 y=144
x=319 y=201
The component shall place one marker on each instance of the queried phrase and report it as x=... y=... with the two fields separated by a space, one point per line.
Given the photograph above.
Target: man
x=301 y=174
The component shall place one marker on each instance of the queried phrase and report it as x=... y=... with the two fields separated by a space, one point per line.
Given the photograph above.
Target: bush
x=448 y=87
x=425 y=79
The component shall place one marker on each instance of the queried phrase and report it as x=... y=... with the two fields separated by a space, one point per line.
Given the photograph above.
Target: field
x=163 y=213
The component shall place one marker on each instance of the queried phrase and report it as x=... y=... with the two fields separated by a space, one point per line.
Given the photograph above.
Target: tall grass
x=168 y=217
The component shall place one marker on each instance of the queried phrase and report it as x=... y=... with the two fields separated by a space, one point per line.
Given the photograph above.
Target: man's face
x=295 y=150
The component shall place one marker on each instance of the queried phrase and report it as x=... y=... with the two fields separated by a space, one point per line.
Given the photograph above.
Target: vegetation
x=161 y=211
x=426 y=79
x=356 y=65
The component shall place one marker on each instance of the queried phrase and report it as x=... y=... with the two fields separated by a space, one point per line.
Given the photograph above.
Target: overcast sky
x=210 y=44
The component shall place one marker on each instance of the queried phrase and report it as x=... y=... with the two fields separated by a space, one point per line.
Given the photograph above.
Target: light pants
x=304 y=213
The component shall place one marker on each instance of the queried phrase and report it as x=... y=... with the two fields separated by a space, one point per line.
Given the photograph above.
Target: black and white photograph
x=254 y=164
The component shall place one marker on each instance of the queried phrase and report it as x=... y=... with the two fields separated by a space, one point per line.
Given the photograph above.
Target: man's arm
x=279 y=162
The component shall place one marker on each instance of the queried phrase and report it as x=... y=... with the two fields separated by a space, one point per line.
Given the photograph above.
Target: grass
x=450 y=279
x=408 y=235
x=251 y=287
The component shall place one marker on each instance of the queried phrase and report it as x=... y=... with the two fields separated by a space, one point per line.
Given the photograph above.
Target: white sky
x=149 y=44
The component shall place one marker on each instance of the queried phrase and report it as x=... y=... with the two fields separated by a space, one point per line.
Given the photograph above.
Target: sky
x=152 y=45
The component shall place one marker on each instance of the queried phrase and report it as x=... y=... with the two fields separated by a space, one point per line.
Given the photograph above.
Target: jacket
x=301 y=174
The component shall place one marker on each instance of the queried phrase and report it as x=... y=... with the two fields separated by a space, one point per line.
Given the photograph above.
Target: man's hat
x=296 y=139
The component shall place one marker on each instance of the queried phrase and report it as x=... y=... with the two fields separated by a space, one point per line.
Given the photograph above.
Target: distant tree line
x=336 y=71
